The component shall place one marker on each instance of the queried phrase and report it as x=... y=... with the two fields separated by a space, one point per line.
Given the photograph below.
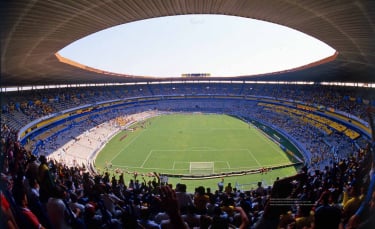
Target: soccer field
x=169 y=143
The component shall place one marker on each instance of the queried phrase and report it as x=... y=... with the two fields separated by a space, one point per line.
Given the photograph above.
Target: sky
x=217 y=44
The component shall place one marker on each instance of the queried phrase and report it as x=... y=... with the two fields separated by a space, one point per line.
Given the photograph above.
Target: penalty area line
x=148 y=156
x=131 y=142
x=252 y=155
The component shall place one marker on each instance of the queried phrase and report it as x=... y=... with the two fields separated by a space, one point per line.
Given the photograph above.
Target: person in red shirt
x=6 y=213
x=25 y=217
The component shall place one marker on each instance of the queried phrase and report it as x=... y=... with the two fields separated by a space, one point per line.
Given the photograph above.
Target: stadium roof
x=32 y=31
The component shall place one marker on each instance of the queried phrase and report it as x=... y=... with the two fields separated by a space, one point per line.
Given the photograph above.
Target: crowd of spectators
x=37 y=193
x=29 y=105
x=41 y=193
x=322 y=148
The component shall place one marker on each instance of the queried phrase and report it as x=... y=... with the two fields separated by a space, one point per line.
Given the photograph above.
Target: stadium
x=87 y=148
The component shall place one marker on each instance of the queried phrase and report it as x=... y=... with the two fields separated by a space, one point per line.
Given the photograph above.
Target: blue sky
x=216 y=44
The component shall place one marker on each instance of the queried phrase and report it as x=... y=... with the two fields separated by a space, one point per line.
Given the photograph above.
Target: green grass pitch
x=168 y=143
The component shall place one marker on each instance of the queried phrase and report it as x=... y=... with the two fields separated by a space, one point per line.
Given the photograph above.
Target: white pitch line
x=148 y=156
x=252 y=155
x=126 y=146
x=271 y=143
x=228 y=165
x=198 y=150
x=134 y=167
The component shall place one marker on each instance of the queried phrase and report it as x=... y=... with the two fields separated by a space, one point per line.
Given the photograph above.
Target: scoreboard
x=195 y=75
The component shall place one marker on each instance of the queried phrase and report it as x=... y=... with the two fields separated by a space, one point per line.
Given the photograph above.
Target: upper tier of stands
x=20 y=108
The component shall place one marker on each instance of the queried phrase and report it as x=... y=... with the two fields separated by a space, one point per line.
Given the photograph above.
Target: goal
x=202 y=168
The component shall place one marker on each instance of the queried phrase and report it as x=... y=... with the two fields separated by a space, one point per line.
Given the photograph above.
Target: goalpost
x=202 y=168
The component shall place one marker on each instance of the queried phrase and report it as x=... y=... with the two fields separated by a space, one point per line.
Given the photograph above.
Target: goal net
x=201 y=167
